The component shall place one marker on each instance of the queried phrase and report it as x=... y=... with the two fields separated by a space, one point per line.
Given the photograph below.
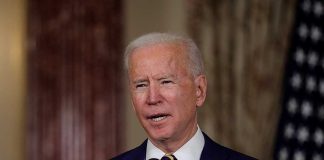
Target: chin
x=160 y=136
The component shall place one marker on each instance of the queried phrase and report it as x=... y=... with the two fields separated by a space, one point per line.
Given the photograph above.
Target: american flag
x=300 y=133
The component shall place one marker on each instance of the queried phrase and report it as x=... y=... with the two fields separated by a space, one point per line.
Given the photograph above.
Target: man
x=167 y=84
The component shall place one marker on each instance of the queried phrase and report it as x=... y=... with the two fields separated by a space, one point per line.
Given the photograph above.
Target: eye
x=167 y=82
x=140 y=85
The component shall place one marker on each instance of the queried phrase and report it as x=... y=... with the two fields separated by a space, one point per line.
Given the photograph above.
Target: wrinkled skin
x=165 y=95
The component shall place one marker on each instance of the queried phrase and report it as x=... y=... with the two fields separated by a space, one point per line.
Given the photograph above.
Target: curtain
x=74 y=104
x=244 y=45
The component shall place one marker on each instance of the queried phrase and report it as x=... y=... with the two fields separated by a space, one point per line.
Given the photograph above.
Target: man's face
x=164 y=93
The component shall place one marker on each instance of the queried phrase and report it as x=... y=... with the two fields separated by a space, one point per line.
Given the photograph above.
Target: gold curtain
x=74 y=73
x=244 y=45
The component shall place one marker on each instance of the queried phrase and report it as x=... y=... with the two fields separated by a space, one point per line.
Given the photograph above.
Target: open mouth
x=158 y=117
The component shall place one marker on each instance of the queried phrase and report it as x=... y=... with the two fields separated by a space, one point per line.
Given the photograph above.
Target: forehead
x=162 y=51
x=158 y=58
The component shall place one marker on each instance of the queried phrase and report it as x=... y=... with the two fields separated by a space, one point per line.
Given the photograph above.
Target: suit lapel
x=212 y=150
x=141 y=151
x=138 y=153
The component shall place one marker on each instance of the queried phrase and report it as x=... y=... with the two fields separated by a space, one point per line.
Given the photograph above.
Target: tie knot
x=168 y=157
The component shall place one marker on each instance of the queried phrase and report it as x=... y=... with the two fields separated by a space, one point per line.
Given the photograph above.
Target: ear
x=201 y=89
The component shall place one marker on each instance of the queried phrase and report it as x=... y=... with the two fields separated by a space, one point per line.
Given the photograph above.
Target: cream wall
x=141 y=16
x=144 y=16
x=12 y=79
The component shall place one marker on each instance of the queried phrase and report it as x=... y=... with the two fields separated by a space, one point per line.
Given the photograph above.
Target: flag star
x=306 y=109
x=292 y=106
x=321 y=87
x=303 y=31
x=315 y=33
x=312 y=59
x=296 y=81
x=319 y=137
x=318 y=8
x=283 y=154
x=317 y=157
x=300 y=56
x=299 y=155
x=302 y=134
x=321 y=112
x=289 y=131
x=306 y=6
x=310 y=84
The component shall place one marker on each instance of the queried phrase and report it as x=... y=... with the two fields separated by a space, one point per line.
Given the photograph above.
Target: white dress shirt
x=189 y=151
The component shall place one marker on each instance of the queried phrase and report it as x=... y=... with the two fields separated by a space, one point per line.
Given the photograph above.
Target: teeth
x=159 y=118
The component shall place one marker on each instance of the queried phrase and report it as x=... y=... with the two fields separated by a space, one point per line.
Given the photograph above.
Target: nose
x=153 y=97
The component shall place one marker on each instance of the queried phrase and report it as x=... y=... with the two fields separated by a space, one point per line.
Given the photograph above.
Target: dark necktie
x=166 y=157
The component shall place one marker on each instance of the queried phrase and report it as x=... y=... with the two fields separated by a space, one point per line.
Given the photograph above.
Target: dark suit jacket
x=211 y=151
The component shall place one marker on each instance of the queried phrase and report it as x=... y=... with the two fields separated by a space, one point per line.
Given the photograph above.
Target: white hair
x=195 y=65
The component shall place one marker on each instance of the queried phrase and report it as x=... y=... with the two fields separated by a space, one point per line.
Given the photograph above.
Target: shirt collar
x=189 y=151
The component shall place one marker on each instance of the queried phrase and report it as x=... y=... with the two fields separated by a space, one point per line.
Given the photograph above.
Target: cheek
x=138 y=97
x=138 y=103
x=181 y=102
x=182 y=94
x=187 y=104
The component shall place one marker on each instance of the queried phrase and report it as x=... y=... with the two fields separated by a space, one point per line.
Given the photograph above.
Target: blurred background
x=63 y=90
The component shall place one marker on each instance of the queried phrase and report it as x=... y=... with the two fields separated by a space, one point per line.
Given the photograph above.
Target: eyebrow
x=167 y=76
x=139 y=81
